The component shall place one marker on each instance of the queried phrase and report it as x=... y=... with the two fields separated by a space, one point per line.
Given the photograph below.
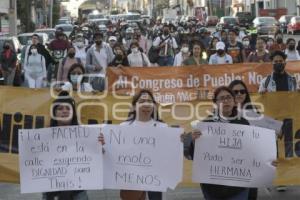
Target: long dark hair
x=74 y=66
x=247 y=99
x=63 y=97
x=132 y=114
x=217 y=92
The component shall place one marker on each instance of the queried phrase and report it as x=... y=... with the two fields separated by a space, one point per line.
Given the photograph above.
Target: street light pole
x=13 y=18
x=51 y=13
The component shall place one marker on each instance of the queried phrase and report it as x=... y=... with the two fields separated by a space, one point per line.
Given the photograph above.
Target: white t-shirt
x=148 y=123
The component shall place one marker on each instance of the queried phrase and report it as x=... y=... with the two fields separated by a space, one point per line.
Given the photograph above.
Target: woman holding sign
x=143 y=113
x=63 y=113
x=225 y=112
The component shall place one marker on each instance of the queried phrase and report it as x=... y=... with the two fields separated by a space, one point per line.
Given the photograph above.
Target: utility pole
x=13 y=17
x=51 y=14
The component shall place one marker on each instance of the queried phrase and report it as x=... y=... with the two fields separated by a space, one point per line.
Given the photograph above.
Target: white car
x=67 y=28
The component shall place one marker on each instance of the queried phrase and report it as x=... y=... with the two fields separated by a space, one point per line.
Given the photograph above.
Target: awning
x=4 y=10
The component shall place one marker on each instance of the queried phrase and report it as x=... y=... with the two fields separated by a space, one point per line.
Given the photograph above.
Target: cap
x=220 y=46
x=112 y=38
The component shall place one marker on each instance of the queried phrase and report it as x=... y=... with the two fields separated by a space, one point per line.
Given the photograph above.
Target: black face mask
x=292 y=47
x=166 y=32
x=71 y=55
x=119 y=57
x=278 y=67
x=98 y=42
x=279 y=40
x=6 y=47
x=220 y=52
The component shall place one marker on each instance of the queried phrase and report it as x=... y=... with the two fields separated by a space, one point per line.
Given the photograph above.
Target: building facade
x=4 y=16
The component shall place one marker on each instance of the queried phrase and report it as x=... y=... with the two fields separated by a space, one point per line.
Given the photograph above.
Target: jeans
x=243 y=195
x=166 y=61
x=155 y=195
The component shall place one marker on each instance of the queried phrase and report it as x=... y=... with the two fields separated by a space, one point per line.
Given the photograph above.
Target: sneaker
x=281 y=188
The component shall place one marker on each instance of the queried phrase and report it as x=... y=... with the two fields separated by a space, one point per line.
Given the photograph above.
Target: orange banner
x=180 y=84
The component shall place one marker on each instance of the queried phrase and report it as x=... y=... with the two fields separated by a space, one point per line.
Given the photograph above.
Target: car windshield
x=102 y=22
x=133 y=17
x=24 y=39
x=99 y=16
x=267 y=20
x=288 y=18
x=230 y=20
x=51 y=34
x=66 y=28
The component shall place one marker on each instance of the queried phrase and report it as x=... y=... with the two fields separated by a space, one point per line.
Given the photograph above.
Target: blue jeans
x=166 y=61
x=243 y=195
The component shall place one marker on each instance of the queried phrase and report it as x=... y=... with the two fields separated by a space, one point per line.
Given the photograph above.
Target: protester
x=235 y=48
x=182 y=55
x=137 y=58
x=212 y=47
x=65 y=65
x=35 y=68
x=98 y=57
x=112 y=40
x=279 y=80
x=261 y=55
x=120 y=59
x=80 y=49
x=142 y=40
x=247 y=47
x=279 y=44
x=76 y=79
x=8 y=64
x=291 y=52
x=167 y=46
x=63 y=113
x=220 y=57
x=225 y=112
x=196 y=57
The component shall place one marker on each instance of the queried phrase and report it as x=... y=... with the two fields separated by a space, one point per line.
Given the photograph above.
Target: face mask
x=278 y=67
x=279 y=40
x=80 y=44
x=135 y=50
x=246 y=43
x=119 y=57
x=220 y=52
x=270 y=43
x=166 y=32
x=75 y=78
x=71 y=55
x=98 y=42
x=184 y=49
x=292 y=47
x=34 y=51
x=6 y=47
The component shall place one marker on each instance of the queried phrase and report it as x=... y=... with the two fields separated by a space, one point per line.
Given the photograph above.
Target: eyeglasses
x=225 y=98
x=236 y=92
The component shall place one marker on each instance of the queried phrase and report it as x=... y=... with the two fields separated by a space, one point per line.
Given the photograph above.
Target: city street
x=12 y=192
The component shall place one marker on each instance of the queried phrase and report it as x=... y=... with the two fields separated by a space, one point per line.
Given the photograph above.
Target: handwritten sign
x=139 y=158
x=234 y=155
x=60 y=158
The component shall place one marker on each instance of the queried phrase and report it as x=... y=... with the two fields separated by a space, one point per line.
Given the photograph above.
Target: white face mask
x=79 y=44
x=135 y=50
x=246 y=43
x=34 y=51
x=75 y=78
x=184 y=49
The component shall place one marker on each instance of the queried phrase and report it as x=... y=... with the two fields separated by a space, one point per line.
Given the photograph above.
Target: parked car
x=25 y=38
x=14 y=42
x=294 y=25
x=67 y=28
x=266 y=25
x=227 y=22
x=245 y=19
x=284 y=20
x=49 y=31
x=211 y=21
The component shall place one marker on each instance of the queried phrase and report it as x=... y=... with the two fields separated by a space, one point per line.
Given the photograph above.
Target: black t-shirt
x=281 y=81
x=235 y=51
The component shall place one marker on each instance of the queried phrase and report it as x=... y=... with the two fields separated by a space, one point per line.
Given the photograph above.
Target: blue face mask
x=75 y=78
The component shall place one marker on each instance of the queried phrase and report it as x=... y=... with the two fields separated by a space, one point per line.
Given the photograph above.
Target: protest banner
x=234 y=155
x=23 y=108
x=60 y=158
x=141 y=157
x=189 y=83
